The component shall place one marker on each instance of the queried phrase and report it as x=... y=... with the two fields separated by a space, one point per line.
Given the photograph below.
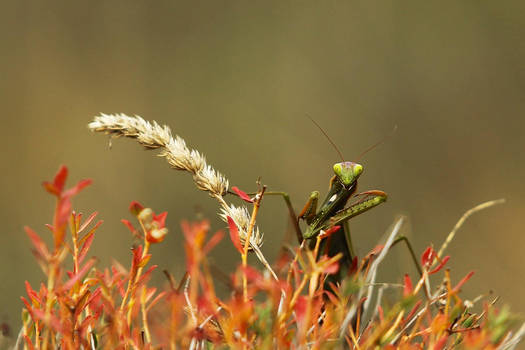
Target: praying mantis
x=334 y=211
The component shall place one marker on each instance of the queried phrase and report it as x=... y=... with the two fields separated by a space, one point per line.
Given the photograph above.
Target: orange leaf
x=462 y=282
x=40 y=246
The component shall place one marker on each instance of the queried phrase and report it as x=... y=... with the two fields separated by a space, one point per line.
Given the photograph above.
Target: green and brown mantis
x=334 y=211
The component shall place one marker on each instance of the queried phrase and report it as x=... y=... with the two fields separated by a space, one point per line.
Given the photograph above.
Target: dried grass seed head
x=241 y=217
x=208 y=179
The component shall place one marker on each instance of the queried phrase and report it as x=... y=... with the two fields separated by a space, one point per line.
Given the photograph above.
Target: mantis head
x=347 y=172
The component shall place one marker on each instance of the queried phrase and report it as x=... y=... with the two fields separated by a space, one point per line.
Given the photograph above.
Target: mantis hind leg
x=348 y=239
x=402 y=238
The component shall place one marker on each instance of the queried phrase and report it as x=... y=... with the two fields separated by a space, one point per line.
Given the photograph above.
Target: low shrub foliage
x=290 y=304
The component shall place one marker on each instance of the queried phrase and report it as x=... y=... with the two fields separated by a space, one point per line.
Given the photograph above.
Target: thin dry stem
x=462 y=220
x=244 y=256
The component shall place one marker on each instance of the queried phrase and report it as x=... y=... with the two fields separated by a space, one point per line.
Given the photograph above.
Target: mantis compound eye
x=358 y=169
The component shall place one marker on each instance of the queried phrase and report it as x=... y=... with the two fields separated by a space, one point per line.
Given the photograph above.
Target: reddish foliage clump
x=114 y=308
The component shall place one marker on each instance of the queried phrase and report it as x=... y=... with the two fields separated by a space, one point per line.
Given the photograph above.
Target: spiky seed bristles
x=154 y=136
x=241 y=217
x=174 y=149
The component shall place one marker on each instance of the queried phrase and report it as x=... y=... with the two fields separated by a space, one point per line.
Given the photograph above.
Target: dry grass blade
x=370 y=280
x=462 y=220
x=511 y=343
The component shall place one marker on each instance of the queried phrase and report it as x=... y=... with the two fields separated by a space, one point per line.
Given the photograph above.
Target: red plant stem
x=133 y=278
x=74 y=235
x=50 y=298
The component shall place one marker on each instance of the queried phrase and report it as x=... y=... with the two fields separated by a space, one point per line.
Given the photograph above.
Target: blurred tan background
x=236 y=80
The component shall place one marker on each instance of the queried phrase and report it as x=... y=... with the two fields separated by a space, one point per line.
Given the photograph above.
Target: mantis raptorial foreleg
x=310 y=208
x=370 y=200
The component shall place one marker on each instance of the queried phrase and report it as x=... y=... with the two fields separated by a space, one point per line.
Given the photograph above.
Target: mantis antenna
x=378 y=143
x=328 y=138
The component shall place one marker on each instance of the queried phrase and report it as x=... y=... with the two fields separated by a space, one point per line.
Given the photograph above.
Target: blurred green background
x=236 y=80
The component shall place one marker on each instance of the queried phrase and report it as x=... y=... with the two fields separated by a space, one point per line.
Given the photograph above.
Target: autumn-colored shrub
x=290 y=304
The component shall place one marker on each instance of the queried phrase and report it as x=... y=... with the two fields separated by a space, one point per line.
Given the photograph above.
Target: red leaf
x=69 y=284
x=146 y=274
x=353 y=267
x=462 y=282
x=29 y=308
x=49 y=187
x=428 y=256
x=77 y=188
x=29 y=342
x=60 y=178
x=300 y=308
x=331 y=295
x=87 y=222
x=91 y=231
x=150 y=293
x=154 y=301
x=62 y=213
x=39 y=245
x=441 y=343
x=57 y=185
x=234 y=235
x=214 y=240
x=135 y=208
x=85 y=246
x=407 y=289
x=252 y=274
x=332 y=268
x=95 y=295
x=87 y=322
x=381 y=313
x=440 y=266
x=413 y=311
x=32 y=294
x=144 y=260
x=53 y=320
x=243 y=195
x=137 y=255
x=76 y=219
x=129 y=225
x=160 y=219
x=330 y=231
